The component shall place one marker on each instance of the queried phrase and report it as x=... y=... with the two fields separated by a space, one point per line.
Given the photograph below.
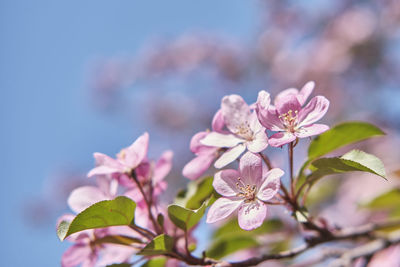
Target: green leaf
x=119 y=211
x=155 y=262
x=185 y=218
x=342 y=135
x=160 y=220
x=196 y=193
x=118 y=239
x=387 y=200
x=226 y=246
x=160 y=245
x=232 y=228
x=354 y=160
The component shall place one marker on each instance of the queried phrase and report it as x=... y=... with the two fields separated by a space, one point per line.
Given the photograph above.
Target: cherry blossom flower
x=245 y=190
x=205 y=155
x=289 y=118
x=127 y=159
x=151 y=174
x=245 y=131
x=386 y=258
x=91 y=247
x=89 y=250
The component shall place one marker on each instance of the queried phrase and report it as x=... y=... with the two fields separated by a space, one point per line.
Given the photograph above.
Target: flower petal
x=105 y=165
x=263 y=100
x=259 y=143
x=225 y=182
x=271 y=184
x=305 y=92
x=284 y=94
x=222 y=208
x=314 y=111
x=197 y=166
x=250 y=167
x=254 y=123
x=83 y=197
x=195 y=145
x=269 y=118
x=281 y=138
x=134 y=194
x=218 y=123
x=136 y=152
x=221 y=140
x=112 y=253
x=251 y=215
x=103 y=159
x=163 y=166
x=75 y=255
x=103 y=170
x=229 y=156
x=288 y=103
x=235 y=111
x=310 y=130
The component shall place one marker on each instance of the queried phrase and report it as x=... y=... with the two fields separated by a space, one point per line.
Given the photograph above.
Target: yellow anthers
x=289 y=119
x=244 y=131
x=246 y=191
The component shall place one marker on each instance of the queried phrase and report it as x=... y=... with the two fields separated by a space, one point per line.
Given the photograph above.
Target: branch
x=345 y=234
x=367 y=249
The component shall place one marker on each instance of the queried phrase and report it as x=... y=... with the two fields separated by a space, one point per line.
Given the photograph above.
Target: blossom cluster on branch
x=122 y=222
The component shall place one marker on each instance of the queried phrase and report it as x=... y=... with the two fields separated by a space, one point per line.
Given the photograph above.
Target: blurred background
x=78 y=77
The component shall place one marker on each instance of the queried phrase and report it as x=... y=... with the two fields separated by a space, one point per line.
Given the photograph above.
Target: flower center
x=248 y=192
x=244 y=131
x=289 y=120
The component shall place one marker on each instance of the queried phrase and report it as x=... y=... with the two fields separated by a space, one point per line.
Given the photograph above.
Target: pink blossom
x=245 y=190
x=127 y=159
x=205 y=155
x=245 y=131
x=89 y=250
x=386 y=258
x=289 y=118
x=150 y=173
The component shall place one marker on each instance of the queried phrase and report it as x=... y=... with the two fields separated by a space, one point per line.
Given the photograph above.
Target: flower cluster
x=130 y=174
x=237 y=128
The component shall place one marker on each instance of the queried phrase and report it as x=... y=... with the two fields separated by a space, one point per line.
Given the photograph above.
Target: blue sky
x=47 y=120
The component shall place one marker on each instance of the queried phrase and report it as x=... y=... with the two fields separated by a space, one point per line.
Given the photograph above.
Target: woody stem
x=292 y=186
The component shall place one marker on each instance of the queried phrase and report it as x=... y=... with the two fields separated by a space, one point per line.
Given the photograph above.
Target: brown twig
x=266 y=160
x=148 y=204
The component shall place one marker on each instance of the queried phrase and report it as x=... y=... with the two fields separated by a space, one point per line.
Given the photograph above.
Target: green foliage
x=224 y=247
x=322 y=192
x=196 y=193
x=230 y=238
x=232 y=228
x=118 y=239
x=120 y=211
x=354 y=160
x=160 y=245
x=341 y=135
x=387 y=200
x=185 y=218
x=155 y=262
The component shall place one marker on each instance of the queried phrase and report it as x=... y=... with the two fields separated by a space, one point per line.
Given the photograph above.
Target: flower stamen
x=290 y=120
